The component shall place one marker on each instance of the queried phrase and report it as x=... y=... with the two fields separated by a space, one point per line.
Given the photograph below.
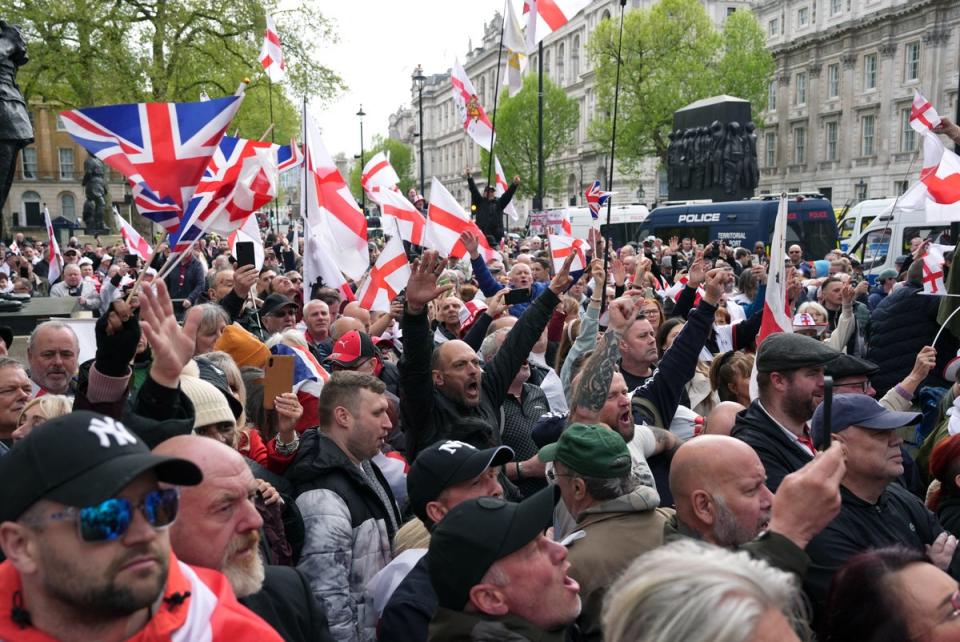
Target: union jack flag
x=596 y=198
x=162 y=148
x=215 y=193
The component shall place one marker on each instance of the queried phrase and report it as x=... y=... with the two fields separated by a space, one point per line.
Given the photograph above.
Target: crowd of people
x=585 y=461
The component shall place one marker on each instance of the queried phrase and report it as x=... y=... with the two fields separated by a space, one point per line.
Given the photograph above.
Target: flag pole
x=613 y=145
x=496 y=95
x=538 y=200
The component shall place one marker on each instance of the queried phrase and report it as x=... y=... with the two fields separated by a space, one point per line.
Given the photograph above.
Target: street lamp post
x=419 y=78
x=640 y=194
x=861 y=189
x=363 y=196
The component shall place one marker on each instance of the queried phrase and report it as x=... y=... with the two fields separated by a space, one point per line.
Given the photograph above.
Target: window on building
x=836 y=7
x=803 y=16
x=868 y=128
x=68 y=206
x=830 y=133
x=900 y=187
x=911 y=67
x=870 y=71
x=61 y=127
x=66 y=163
x=29 y=159
x=546 y=63
x=731 y=11
x=833 y=80
x=801 y=88
x=770 y=149
x=772 y=95
x=908 y=136
x=773 y=27
x=575 y=59
x=561 y=65
x=800 y=145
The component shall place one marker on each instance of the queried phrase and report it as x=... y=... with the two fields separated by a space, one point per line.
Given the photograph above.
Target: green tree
x=401 y=157
x=90 y=52
x=672 y=56
x=516 y=143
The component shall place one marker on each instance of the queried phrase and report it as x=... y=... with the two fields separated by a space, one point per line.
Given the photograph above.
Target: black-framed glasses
x=110 y=519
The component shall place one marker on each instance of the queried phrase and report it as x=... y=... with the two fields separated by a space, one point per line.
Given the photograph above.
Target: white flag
x=516 y=51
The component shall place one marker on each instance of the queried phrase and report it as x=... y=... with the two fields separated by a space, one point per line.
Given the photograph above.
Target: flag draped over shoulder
x=271 y=55
x=469 y=110
x=161 y=148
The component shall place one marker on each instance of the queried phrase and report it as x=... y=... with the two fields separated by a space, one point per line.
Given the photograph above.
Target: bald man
x=218 y=527
x=718 y=486
x=356 y=311
x=721 y=419
x=344 y=325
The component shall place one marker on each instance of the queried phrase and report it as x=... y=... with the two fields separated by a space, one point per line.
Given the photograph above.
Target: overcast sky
x=381 y=42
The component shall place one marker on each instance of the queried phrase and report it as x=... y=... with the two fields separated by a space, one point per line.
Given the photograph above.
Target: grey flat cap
x=786 y=351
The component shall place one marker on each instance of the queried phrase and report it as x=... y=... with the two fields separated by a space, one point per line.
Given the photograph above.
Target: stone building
x=839 y=104
x=48 y=174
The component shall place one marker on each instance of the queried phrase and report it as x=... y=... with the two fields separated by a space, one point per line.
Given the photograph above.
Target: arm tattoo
x=667 y=442
x=594 y=386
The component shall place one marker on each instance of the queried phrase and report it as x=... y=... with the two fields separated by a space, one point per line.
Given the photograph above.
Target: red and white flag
x=394 y=206
x=469 y=110
x=923 y=117
x=134 y=243
x=674 y=291
x=546 y=16
x=271 y=55
x=933 y=269
x=446 y=220
x=502 y=186
x=377 y=175
x=331 y=208
x=776 y=318
x=54 y=258
x=14 y=248
x=387 y=277
x=563 y=246
x=939 y=178
x=318 y=264
x=250 y=232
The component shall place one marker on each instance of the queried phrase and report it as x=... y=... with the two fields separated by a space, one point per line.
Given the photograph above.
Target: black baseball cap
x=445 y=464
x=862 y=411
x=81 y=459
x=478 y=532
x=274 y=303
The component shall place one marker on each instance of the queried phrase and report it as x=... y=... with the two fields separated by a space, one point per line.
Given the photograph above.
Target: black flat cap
x=785 y=351
x=847 y=365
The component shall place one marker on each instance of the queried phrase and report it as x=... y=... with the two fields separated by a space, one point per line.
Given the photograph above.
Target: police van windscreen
x=816 y=237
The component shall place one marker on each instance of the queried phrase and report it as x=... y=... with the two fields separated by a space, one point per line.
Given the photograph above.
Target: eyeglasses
x=110 y=519
x=553 y=475
x=854 y=386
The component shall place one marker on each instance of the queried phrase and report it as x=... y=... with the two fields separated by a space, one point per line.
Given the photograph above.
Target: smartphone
x=277 y=378
x=514 y=297
x=131 y=260
x=245 y=256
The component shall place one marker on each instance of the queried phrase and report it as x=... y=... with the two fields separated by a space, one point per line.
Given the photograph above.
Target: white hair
x=697 y=592
x=290 y=337
x=491 y=344
x=312 y=303
x=52 y=325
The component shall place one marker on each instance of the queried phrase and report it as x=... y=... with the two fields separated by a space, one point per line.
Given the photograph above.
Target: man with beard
x=790 y=381
x=219 y=528
x=53 y=352
x=84 y=526
x=718 y=488
x=15 y=391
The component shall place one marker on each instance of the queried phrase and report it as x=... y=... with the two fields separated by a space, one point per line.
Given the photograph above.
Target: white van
x=625 y=220
x=890 y=234
x=859 y=217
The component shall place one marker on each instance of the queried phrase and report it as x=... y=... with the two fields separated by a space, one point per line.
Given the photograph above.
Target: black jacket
x=407 y=615
x=901 y=324
x=489 y=213
x=427 y=414
x=898 y=517
x=779 y=454
x=948 y=512
x=286 y=603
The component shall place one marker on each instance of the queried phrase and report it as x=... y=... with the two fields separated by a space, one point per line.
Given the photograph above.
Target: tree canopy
x=90 y=52
x=672 y=56
x=516 y=144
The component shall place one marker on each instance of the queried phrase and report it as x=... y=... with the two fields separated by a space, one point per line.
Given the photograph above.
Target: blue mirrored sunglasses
x=110 y=519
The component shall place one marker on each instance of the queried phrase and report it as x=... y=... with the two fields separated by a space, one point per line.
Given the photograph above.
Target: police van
x=810 y=223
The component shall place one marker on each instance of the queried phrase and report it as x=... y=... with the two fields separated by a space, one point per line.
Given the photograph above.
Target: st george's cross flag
x=378 y=174
x=470 y=112
x=387 y=277
x=933 y=262
x=132 y=240
x=161 y=148
x=923 y=117
x=775 y=316
x=939 y=178
x=318 y=265
x=501 y=187
x=546 y=16
x=331 y=208
x=446 y=220
x=563 y=246
x=271 y=55
x=54 y=257
x=395 y=207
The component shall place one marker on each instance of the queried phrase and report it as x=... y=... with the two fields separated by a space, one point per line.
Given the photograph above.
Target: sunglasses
x=110 y=519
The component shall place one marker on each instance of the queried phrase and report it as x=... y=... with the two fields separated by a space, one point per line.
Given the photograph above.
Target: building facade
x=49 y=174
x=837 y=118
x=448 y=150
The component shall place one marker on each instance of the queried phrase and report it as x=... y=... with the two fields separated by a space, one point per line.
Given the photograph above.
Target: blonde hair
x=52 y=406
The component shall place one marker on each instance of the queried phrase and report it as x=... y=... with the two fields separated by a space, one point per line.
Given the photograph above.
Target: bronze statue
x=751 y=169
x=16 y=132
x=95 y=188
x=732 y=158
